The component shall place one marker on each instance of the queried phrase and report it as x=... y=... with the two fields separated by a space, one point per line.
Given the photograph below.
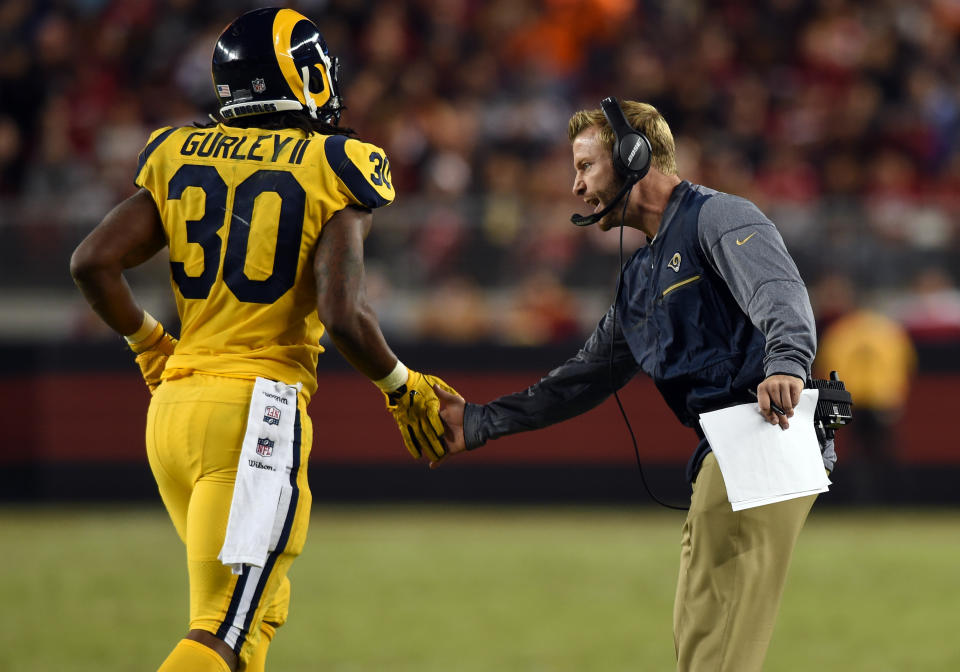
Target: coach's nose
x=579 y=186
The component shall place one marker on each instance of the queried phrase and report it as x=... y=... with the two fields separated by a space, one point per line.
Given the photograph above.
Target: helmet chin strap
x=311 y=104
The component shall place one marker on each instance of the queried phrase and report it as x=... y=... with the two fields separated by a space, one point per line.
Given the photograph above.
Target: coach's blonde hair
x=643 y=117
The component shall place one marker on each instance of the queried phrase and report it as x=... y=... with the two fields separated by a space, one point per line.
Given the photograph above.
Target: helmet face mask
x=271 y=60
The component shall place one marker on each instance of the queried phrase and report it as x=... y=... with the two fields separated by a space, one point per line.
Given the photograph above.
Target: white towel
x=261 y=494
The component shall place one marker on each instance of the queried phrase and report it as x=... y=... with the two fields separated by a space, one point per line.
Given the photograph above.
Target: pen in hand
x=776 y=409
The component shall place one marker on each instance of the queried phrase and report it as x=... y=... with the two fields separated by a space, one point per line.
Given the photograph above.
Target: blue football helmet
x=270 y=60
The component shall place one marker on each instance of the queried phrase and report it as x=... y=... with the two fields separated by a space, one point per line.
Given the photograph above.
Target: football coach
x=714 y=310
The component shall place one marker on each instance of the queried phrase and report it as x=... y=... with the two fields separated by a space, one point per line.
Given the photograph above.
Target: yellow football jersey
x=242 y=210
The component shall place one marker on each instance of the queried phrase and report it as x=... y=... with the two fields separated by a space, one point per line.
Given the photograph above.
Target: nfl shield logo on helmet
x=258 y=85
x=271 y=415
x=265 y=447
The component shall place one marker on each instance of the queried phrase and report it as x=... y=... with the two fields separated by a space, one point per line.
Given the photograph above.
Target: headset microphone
x=580 y=220
x=631 y=156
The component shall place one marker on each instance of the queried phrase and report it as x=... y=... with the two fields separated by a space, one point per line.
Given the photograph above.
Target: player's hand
x=416 y=410
x=152 y=355
x=782 y=390
x=451 y=413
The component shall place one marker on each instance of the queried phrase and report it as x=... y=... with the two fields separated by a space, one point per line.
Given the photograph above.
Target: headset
x=631 y=156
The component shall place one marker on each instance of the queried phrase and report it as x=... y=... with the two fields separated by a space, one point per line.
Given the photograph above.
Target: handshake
x=413 y=399
x=426 y=429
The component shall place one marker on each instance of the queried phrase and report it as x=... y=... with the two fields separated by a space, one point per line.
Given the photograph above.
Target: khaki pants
x=733 y=567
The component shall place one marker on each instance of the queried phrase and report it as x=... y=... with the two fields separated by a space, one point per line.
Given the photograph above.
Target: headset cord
x=616 y=394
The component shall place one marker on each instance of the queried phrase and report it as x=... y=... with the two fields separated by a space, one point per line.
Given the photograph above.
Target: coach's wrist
x=786 y=368
x=472 y=416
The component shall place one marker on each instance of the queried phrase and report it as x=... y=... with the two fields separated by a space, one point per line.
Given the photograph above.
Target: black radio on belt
x=834 y=407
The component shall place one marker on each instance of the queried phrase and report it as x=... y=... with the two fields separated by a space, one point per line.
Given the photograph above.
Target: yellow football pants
x=195 y=428
x=733 y=568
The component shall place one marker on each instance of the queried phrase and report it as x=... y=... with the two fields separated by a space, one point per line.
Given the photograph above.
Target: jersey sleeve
x=155 y=140
x=362 y=171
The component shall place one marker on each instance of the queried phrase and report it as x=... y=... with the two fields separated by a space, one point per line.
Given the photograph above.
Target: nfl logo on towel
x=271 y=415
x=265 y=447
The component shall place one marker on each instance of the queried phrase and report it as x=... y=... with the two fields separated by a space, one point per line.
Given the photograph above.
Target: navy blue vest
x=683 y=325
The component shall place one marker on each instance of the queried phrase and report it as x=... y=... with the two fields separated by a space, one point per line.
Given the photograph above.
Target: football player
x=264 y=212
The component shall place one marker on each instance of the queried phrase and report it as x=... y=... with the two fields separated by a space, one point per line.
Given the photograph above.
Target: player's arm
x=341 y=294
x=355 y=331
x=129 y=235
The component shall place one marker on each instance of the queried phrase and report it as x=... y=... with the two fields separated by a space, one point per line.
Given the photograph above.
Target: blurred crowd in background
x=840 y=119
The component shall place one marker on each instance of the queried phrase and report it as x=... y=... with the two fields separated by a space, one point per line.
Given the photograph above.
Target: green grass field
x=460 y=588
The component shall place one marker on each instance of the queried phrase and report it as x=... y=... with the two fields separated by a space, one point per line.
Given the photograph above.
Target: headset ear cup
x=634 y=155
x=631 y=149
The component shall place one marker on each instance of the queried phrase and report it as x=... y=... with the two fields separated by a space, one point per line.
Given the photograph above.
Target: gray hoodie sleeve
x=574 y=387
x=746 y=249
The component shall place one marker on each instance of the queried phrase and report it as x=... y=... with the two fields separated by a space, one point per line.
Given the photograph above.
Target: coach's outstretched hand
x=451 y=413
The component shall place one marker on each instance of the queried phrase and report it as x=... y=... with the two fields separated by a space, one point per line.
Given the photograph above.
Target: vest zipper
x=677 y=285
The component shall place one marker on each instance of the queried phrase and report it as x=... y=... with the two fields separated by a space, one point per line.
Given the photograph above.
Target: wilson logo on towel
x=265 y=447
x=271 y=415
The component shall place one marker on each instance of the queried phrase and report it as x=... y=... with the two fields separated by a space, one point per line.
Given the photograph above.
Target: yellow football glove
x=416 y=410
x=152 y=353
